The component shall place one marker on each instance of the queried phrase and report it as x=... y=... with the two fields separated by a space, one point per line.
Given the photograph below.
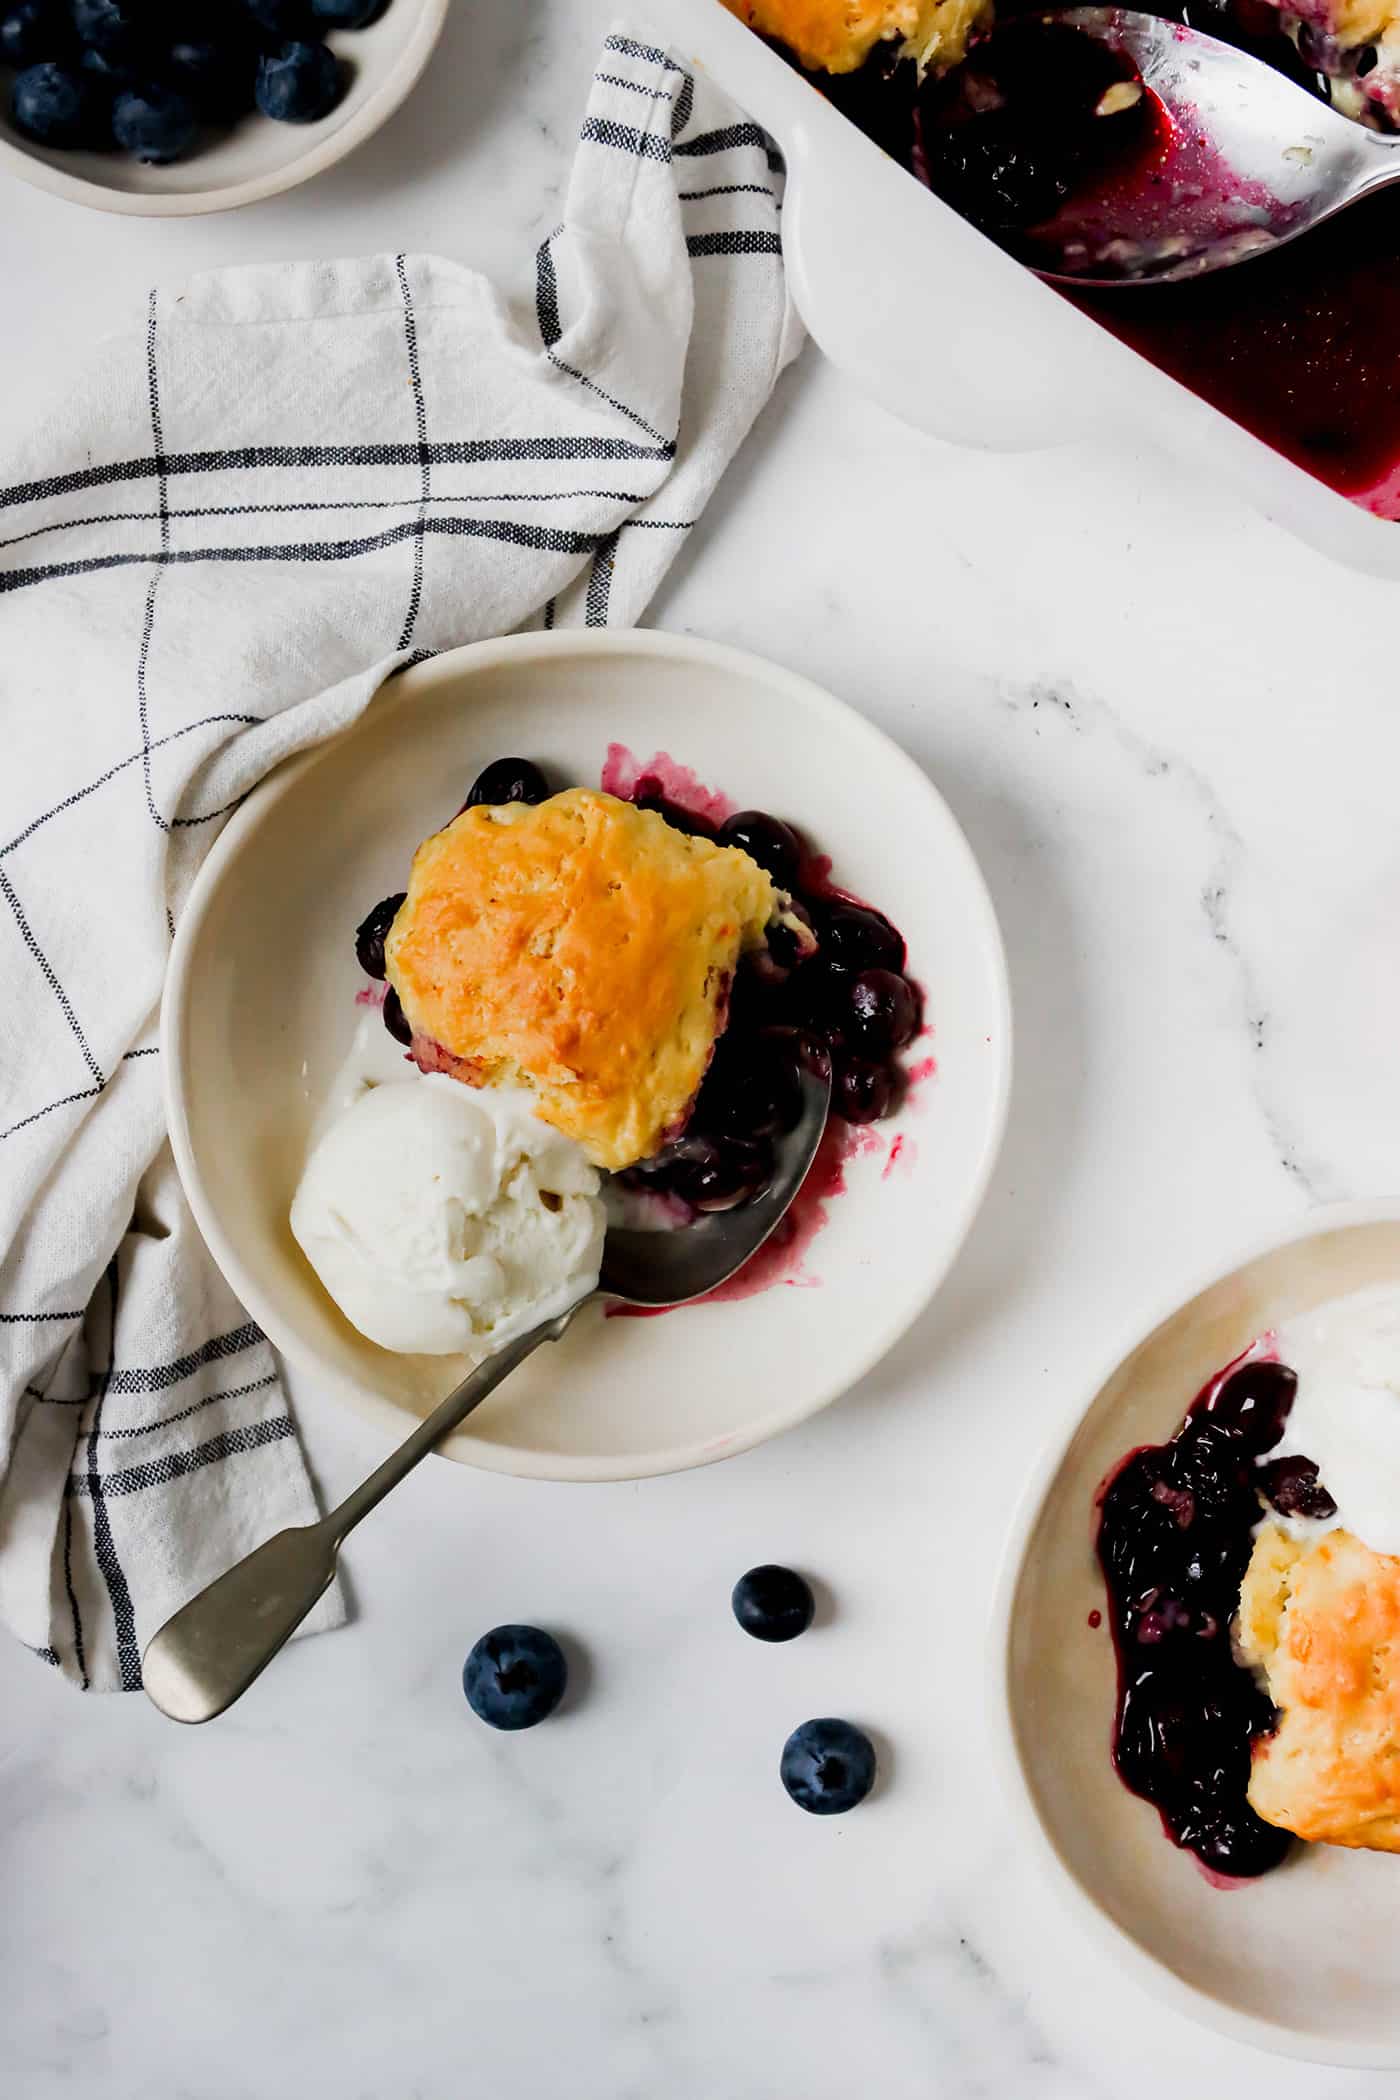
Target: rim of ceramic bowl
x=387 y=1414
x=378 y=106
x=1154 y=1976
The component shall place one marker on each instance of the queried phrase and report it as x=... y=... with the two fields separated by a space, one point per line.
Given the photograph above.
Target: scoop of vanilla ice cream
x=1346 y=1415
x=446 y=1220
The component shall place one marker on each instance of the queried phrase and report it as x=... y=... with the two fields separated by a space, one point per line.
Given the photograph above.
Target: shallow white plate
x=259 y=1009
x=1303 y=1961
x=256 y=158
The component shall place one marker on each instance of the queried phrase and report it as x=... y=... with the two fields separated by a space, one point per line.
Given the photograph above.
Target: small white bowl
x=256 y=158
x=260 y=1008
x=1301 y=1962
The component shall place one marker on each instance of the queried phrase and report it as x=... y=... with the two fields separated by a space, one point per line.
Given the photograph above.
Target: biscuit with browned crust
x=580 y=948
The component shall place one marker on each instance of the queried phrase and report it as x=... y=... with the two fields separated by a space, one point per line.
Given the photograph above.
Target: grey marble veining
x=1172 y=738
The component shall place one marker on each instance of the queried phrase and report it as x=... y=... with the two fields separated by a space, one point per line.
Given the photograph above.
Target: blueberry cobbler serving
x=1011 y=115
x=594 y=1002
x=1252 y=1564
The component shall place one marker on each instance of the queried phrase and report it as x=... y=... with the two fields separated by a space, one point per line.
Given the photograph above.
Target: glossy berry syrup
x=1175 y=1535
x=1302 y=347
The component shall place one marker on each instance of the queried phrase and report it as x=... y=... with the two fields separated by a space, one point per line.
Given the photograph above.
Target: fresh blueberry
x=32 y=30
x=216 y=72
x=858 y=938
x=53 y=105
x=299 y=83
x=108 y=72
x=828 y=1766
x=507 y=780
x=282 y=18
x=371 y=933
x=1254 y=1403
x=515 y=1676
x=883 y=1014
x=155 y=123
x=395 y=1019
x=346 y=14
x=117 y=25
x=773 y=844
x=861 y=1092
x=648 y=795
x=773 y=1603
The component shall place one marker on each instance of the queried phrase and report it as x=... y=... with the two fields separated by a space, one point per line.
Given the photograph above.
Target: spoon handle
x=207 y=1655
x=475 y=1388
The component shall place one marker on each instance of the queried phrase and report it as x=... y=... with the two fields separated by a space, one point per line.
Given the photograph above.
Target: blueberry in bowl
x=55 y=105
x=298 y=83
x=198 y=105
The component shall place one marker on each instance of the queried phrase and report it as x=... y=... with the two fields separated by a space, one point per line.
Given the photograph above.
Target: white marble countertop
x=1169 y=732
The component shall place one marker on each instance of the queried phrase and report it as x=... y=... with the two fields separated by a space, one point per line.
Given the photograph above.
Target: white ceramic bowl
x=1301 y=1962
x=259 y=1010
x=256 y=158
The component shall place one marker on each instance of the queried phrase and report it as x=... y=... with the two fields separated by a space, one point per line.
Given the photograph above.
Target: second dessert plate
x=1300 y=1961
x=261 y=1007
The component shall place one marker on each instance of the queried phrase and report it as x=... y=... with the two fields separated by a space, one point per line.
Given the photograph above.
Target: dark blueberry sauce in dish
x=844 y=1000
x=1175 y=1535
x=1302 y=347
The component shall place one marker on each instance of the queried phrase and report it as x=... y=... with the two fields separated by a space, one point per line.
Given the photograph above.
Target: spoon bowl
x=1236 y=160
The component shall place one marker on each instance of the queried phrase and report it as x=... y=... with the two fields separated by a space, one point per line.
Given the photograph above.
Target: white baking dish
x=956 y=338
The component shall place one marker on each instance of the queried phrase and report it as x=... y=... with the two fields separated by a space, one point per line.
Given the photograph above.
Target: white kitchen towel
x=280 y=486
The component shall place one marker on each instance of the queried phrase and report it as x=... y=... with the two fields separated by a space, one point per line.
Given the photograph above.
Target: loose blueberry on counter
x=767 y=840
x=507 y=780
x=828 y=1766
x=396 y=1020
x=773 y=1603
x=298 y=83
x=515 y=1677
x=33 y=30
x=53 y=105
x=156 y=124
x=372 y=932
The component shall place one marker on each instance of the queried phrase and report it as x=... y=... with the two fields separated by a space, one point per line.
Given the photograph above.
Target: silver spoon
x=208 y=1654
x=1250 y=161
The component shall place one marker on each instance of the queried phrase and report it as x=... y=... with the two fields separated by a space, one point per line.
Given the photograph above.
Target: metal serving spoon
x=1248 y=161
x=208 y=1654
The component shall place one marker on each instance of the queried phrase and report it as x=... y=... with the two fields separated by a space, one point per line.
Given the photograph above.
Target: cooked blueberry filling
x=1175 y=1536
x=828 y=987
x=507 y=780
